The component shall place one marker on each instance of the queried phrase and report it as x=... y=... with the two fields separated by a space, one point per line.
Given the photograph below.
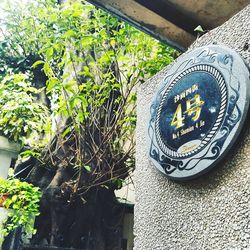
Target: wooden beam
x=148 y=21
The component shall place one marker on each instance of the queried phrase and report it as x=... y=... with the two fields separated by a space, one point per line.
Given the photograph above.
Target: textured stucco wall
x=212 y=212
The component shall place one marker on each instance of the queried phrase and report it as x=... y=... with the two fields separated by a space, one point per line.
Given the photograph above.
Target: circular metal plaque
x=198 y=112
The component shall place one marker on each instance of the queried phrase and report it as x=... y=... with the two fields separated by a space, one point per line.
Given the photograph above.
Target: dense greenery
x=90 y=64
x=22 y=200
x=21 y=116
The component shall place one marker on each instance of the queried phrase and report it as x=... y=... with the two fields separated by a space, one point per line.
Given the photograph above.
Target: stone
x=185 y=215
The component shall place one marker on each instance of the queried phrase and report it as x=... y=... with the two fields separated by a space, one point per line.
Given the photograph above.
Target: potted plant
x=21 y=116
x=21 y=199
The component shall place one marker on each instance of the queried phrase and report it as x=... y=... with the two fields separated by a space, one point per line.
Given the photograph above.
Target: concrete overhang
x=173 y=21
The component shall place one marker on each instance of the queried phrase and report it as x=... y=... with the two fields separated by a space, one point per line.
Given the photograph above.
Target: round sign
x=198 y=112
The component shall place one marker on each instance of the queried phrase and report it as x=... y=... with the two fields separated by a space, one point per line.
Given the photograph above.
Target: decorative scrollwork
x=229 y=116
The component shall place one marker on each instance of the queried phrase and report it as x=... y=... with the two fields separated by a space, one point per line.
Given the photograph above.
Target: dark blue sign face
x=189 y=111
x=196 y=113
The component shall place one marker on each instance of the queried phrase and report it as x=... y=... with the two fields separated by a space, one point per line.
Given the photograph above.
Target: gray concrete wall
x=212 y=212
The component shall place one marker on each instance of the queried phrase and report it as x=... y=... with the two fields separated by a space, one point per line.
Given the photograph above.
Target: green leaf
x=69 y=33
x=87 y=167
x=49 y=53
x=199 y=29
x=51 y=84
x=66 y=131
x=39 y=62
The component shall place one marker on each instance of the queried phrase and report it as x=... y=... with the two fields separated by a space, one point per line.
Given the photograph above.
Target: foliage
x=20 y=114
x=93 y=63
x=23 y=204
x=90 y=64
